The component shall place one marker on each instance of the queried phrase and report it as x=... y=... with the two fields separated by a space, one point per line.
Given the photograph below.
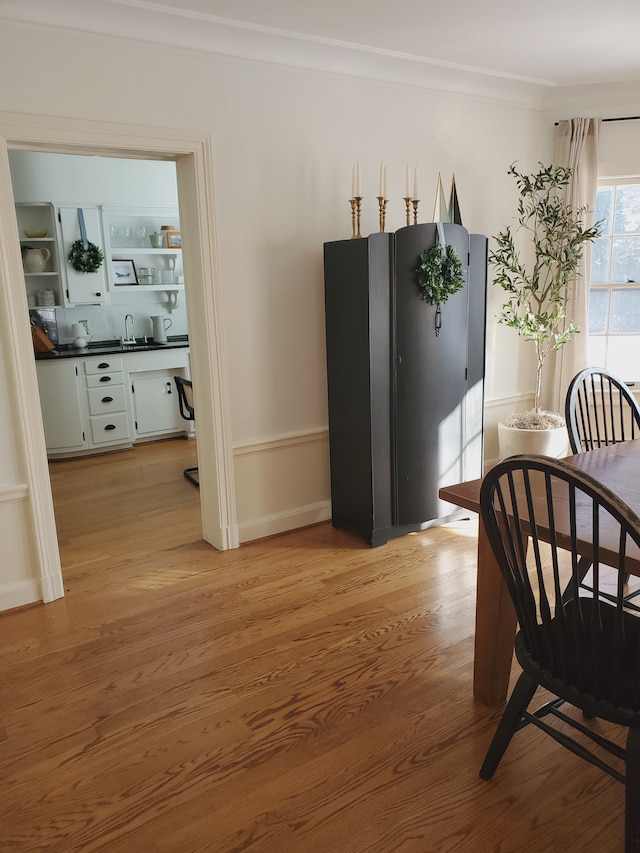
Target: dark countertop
x=112 y=347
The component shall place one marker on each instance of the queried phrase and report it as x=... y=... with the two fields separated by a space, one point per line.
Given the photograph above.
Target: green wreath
x=439 y=276
x=85 y=260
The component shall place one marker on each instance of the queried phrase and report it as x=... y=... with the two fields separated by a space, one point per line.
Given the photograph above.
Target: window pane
x=600 y=261
x=604 y=203
x=598 y=309
x=627 y=219
x=622 y=357
x=625 y=265
x=625 y=310
x=597 y=350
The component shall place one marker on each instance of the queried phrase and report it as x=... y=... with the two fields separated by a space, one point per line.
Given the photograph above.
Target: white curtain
x=577 y=147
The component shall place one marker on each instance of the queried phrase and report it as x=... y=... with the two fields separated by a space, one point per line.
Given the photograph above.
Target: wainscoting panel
x=282 y=483
x=496 y=409
x=22 y=585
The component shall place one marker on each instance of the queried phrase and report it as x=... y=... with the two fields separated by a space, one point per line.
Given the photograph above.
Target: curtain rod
x=621 y=118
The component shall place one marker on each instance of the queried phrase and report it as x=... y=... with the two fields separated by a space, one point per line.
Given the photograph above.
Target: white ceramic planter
x=548 y=442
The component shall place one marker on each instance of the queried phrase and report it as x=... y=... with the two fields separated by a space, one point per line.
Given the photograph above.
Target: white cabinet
x=108 y=409
x=82 y=288
x=129 y=232
x=96 y=403
x=156 y=410
x=37 y=229
x=155 y=402
x=61 y=403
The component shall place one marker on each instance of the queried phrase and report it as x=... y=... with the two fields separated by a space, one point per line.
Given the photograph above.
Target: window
x=614 y=295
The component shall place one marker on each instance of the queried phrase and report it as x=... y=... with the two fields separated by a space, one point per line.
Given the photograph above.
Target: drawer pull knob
x=103 y=364
x=110 y=426
x=107 y=399
x=105 y=379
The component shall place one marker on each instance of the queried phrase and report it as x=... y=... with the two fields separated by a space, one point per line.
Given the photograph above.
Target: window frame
x=631 y=373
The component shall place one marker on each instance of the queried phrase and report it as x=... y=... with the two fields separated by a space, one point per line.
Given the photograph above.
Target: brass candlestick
x=415 y=202
x=352 y=202
x=356 y=206
x=382 y=208
x=407 y=206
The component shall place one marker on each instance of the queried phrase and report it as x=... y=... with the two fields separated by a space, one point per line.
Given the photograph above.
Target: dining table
x=616 y=466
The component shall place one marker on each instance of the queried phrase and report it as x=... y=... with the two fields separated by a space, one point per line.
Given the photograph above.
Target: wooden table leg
x=495 y=628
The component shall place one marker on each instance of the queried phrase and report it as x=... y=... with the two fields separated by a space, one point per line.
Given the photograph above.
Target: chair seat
x=612 y=684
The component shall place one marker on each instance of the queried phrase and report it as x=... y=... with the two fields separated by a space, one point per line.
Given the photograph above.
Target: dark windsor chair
x=599 y=411
x=585 y=650
x=185 y=400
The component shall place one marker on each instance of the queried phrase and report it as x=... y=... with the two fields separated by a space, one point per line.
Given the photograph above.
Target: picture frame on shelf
x=124 y=272
x=174 y=240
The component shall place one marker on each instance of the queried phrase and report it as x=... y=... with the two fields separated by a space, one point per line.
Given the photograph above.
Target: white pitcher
x=35 y=260
x=160 y=325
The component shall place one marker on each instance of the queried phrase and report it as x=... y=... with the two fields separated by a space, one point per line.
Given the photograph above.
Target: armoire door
x=429 y=380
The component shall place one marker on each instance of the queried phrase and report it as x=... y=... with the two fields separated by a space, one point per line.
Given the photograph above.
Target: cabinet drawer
x=102 y=365
x=103 y=401
x=100 y=380
x=109 y=429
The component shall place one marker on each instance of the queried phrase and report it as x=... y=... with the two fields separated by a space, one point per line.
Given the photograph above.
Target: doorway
x=135 y=199
x=192 y=155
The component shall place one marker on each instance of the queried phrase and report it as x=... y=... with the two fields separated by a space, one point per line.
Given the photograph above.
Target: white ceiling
x=531 y=52
x=563 y=42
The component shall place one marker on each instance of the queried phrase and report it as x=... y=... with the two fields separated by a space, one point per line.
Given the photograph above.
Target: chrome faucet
x=128 y=338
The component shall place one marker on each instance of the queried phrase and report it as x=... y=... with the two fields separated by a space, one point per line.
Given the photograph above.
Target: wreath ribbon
x=83 y=230
x=441 y=239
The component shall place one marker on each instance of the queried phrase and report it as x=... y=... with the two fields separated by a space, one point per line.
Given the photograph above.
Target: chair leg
x=632 y=794
x=192 y=476
x=583 y=568
x=516 y=706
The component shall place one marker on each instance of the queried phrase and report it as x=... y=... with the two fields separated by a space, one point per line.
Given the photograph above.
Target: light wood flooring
x=302 y=693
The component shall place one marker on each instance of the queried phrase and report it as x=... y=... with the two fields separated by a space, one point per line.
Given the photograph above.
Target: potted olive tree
x=538 y=283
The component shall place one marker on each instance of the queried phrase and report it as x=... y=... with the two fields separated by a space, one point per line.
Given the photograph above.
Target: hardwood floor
x=302 y=693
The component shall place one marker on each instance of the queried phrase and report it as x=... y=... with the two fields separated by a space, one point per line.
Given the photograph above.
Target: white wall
x=284 y=142
x=40 y=176
x=619 y=149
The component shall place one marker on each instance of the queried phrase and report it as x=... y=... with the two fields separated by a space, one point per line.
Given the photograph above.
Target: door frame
x=192 y=153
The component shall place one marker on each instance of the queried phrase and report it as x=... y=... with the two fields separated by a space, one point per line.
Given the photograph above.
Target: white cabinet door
x=58 y=383
x=83 y=288
x=155 y=402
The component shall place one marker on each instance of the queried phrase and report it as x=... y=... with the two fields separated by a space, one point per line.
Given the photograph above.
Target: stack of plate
x=46 y=298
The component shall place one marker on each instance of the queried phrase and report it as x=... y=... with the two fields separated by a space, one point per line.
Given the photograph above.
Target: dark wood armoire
x=405 y=398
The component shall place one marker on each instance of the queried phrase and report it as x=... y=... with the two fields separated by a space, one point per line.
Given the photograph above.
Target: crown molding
x=597 y=99
x=144 y=22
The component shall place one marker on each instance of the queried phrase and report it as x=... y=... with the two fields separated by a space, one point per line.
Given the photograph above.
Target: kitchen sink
x=139 y=346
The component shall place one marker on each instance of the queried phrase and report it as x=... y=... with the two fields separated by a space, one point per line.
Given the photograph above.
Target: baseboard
x=280 y=522
x=19 y=593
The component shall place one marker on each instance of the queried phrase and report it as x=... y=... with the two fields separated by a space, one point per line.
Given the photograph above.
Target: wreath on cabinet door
x=440 y=274
x=85 y=257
